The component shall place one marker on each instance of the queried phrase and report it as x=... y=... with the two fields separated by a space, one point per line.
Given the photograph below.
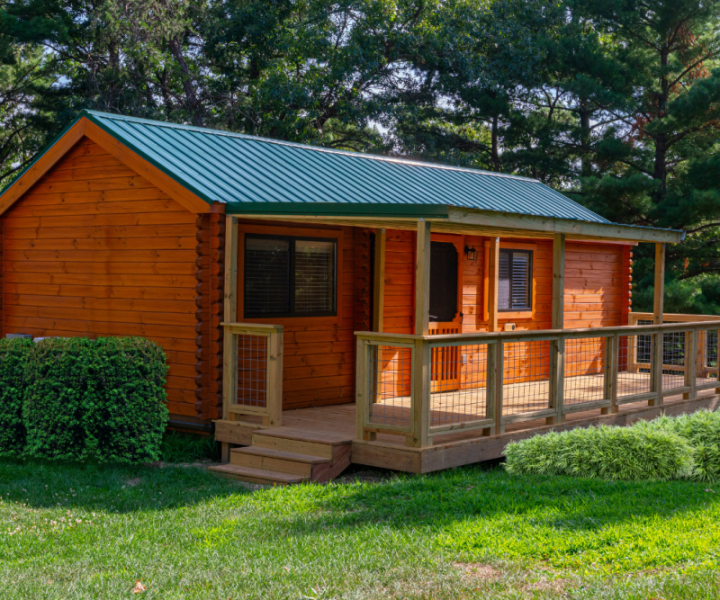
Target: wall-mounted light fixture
x=471 y=253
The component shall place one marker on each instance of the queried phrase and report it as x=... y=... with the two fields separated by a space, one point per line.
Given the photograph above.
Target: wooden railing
x=511 y=377
x=252 y=372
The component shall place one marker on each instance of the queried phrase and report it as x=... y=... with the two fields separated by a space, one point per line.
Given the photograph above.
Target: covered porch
x=432 y=400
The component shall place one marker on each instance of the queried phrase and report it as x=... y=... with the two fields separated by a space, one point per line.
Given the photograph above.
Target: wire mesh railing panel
x=526 y=377
x=707 y=359
x=584 y=370
x=458 y=391
x=252 y=352
x=675 y=346
x=634 y=359
x=390 y=372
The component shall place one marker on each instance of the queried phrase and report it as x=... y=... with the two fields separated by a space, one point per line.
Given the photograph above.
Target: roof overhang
x=85 y=126
x=509 y=222
x=447 y=219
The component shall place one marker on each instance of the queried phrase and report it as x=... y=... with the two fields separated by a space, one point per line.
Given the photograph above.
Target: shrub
x=99 y=399
x=702 y=432
x=13 y=358
x=57 y=404
x=640 y=452
x=127 y=379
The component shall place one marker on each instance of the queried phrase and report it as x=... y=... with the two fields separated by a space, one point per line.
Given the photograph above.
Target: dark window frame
x=291 y=239
x=529 y=306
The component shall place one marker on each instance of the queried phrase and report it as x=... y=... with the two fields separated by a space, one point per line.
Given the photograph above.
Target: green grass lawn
x=91 y=532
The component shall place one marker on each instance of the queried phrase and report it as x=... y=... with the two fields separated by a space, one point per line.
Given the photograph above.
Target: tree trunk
x=191 y=98
x=494 y=153
x=661 y=148
x=584 y=113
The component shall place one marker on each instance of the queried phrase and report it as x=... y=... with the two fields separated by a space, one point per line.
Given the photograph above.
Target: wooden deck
x=336 y=425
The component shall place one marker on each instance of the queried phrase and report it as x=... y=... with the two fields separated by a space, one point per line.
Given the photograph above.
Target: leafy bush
x=13 y=357
x=127 y=379
x=99 y=399
x=702 y=431
x=58 y=407
x=640 y=452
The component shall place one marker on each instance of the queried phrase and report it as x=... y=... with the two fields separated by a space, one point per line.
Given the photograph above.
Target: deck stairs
x=283 y=456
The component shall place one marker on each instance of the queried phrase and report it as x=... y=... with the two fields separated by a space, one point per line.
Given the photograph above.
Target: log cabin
x=319 y=307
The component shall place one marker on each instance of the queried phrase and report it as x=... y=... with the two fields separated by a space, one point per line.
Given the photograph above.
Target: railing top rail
x=677 y=317
x=540 y=334
x=261 y=328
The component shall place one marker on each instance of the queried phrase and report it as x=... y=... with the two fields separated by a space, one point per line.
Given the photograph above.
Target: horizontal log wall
x=597 y=294
x=319 y=353
x=93 y=249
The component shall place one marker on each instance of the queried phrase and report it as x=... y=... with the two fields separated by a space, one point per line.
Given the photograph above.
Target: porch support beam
x=659 y=284
x=557 y=347
x=422 y=278
x=230 y=316
x=493 y=282
x=657 y=339
x=379 y=281
x=558 y=290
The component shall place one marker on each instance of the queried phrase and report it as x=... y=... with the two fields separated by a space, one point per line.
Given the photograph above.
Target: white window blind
x=515 y=285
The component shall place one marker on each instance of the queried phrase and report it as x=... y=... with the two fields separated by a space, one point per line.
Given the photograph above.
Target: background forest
x=614 y=102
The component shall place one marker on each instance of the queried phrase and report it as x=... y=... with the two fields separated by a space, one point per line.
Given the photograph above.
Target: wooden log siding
x=318 y=353
x=93 y=249
x=597 y=294
x=210 y=277
x=363 y=280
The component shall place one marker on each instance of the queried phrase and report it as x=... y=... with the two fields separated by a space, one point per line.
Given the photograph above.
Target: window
x=443 y=282
x=289 y=277
x=515 y=286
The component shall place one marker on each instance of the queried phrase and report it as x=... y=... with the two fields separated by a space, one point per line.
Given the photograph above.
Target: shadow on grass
x=475 y=492
x=113 y=488
x=364 y=497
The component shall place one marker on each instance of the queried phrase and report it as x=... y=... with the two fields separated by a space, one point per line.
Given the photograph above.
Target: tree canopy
x=614 y=102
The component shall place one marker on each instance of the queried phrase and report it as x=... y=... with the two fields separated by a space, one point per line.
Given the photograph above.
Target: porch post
x=230 y=316
x=557 y=347
x=657 y=339
x=422 y=279
x=379 y=281
x=493 y=282
x=422 y=367
x=659 y=284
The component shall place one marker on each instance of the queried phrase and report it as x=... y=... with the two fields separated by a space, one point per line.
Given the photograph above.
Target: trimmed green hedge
x=83 y=399
x=13 y=358
x=702 y=431
x=665 y=448
x=638 y=453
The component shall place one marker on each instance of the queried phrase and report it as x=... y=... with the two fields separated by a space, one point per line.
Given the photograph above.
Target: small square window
x=289 y=277
x=515 y=284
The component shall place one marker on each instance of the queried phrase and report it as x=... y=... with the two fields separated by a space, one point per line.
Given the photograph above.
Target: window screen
x=515 y=285
x=443 y=282
x=289 y=277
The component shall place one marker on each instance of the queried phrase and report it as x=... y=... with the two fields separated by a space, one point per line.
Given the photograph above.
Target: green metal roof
x=253 y=175
x=259 y=175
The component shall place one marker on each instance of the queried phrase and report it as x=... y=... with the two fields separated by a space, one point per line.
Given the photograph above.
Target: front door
x=445 y=314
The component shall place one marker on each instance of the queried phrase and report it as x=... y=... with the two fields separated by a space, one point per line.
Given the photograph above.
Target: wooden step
x=299 y=441
x=278 y=460
x=253 y=475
